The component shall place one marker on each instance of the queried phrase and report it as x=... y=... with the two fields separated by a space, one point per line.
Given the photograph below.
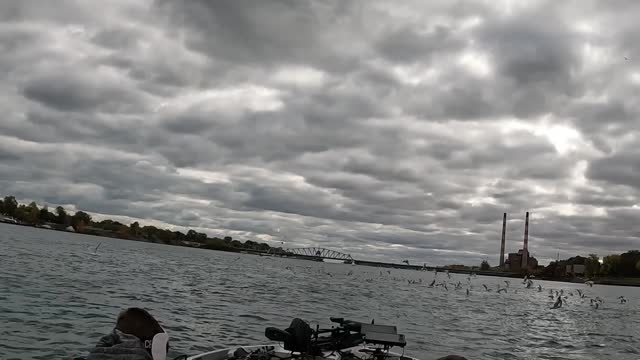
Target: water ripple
x=56 y=301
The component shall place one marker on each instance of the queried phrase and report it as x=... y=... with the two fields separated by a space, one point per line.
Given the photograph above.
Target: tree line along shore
x=82 y=222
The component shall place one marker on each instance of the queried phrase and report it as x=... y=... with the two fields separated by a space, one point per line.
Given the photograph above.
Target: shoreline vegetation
x=622 y=269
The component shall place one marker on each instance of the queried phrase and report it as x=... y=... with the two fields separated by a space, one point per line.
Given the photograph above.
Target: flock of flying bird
x=560 y=296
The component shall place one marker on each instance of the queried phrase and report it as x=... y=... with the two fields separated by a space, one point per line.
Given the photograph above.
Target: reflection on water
x=56 y=300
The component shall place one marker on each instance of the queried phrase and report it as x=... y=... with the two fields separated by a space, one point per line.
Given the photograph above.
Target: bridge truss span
x=320 y=253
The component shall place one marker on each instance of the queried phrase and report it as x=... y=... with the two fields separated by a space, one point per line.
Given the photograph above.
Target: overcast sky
x=390 y=130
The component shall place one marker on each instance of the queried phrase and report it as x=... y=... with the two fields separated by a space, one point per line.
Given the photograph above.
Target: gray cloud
x=391 y=131
x=67 y=92
x=408 y=45
x=619 y=168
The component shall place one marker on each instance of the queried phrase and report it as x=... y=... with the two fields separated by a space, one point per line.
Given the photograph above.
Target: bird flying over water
x=597 y=302
x=95 y=251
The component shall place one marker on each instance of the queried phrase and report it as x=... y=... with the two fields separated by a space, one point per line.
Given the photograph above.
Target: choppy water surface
x=56 y=300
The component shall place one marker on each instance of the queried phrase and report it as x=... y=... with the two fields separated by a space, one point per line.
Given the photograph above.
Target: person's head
x=138 y=322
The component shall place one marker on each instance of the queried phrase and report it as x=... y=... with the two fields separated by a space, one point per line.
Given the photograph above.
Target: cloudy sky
x=391 y=130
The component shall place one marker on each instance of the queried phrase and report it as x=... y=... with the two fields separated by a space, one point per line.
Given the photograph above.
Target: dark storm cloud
x=69 y=92
x=530 y=54
x=391 y=131
x=268 y=32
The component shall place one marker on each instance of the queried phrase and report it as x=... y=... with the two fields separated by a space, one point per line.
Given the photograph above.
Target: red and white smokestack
x=525 y=247
x=504 y=231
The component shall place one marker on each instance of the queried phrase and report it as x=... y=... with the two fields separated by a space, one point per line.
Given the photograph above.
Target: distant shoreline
x=634 y=282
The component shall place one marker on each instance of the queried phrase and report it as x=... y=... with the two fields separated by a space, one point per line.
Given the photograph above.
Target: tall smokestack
x=525 y=249
x=504 y=231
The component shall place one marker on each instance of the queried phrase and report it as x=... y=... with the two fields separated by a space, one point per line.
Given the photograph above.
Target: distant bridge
x=320 y=253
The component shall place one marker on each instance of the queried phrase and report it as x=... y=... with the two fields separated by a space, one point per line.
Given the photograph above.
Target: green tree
x=10 y=205
x=628 y=261
x=149 y=233
x=61 y=216
x=638 y=266
x=191 y=235
x=21 y=213
x=45 y=215
x=610 y=265
x=80 y=219
x=135 y=229
x=1 y=206
x=236 y=244
x=592 y=265
x=179 y=236
x=33 y=213
x=485 y=265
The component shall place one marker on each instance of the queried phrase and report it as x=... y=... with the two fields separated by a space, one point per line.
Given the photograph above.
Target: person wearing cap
x=136 y=336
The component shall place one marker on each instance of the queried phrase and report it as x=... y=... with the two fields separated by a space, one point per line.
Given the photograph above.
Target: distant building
x=514 y=262
x=575 y=269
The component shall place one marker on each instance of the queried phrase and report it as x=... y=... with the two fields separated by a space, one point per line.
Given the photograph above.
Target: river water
x=57 y=299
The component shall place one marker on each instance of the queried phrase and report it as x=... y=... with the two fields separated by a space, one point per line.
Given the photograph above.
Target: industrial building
x=516 y=262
